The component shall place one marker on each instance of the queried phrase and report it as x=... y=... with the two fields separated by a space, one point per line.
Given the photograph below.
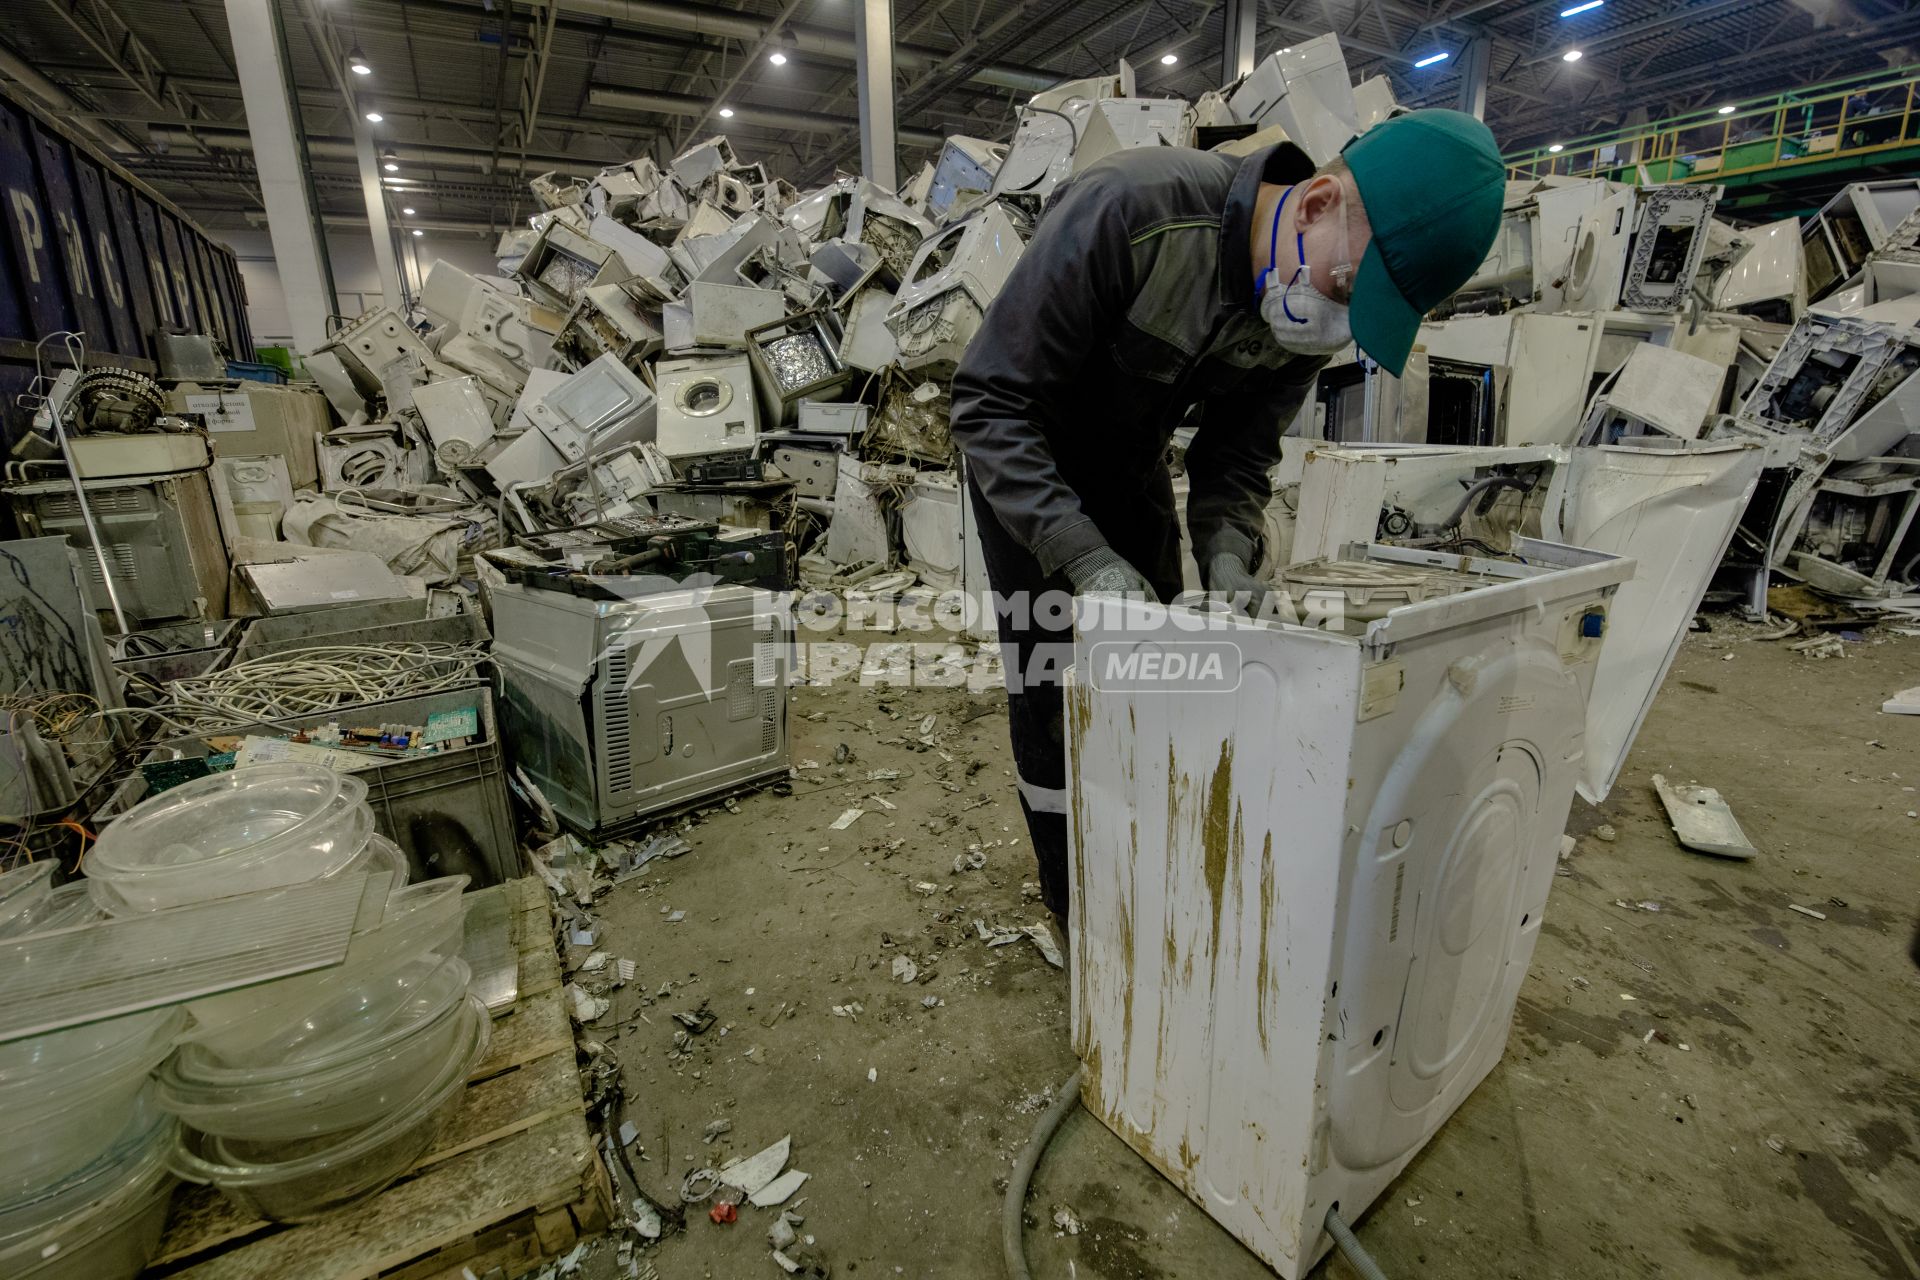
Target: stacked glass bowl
x=261 y=827
x=313 y=1092
x=295 y=1097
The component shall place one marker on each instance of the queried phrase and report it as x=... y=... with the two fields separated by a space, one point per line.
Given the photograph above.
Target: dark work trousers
x=1036 y=649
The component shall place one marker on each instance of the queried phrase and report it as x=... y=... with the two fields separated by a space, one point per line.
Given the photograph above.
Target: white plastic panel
x=1306 y=90
x=1770 y=268
x=603 y=404
x=1672 y=512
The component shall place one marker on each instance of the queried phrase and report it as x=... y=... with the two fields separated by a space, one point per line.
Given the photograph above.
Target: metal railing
x=1855 y=117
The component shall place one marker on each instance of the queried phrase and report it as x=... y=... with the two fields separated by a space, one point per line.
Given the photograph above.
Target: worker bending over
x=1163 y=283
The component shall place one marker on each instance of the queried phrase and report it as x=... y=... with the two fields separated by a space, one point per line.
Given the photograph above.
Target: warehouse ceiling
x=477 y=93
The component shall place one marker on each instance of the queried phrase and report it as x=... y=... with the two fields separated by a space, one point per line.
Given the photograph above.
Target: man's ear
x=1320 y=197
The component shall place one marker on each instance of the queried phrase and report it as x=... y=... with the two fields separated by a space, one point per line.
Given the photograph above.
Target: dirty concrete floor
x=1768 y=1129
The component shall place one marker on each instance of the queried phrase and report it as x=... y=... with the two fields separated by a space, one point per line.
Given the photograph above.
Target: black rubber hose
x=1013 y=1210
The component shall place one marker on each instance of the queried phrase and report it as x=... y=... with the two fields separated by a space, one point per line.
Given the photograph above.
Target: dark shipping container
x=88 y=246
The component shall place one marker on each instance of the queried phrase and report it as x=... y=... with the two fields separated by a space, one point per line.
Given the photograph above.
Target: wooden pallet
x=513 y=1179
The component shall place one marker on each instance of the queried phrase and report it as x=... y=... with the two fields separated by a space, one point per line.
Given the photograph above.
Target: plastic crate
x=184 y=665
x=252 y=372
x=260 y=642
x=176 y=637
x=448 y=811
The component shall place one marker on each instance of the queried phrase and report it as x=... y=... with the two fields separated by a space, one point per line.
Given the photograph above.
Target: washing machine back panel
x=689 y=700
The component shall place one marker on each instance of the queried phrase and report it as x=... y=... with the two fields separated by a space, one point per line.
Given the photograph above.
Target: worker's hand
x=1104 y=572
x=1229 y=579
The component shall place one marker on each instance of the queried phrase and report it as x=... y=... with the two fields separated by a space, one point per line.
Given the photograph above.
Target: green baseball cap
x=1433 y=186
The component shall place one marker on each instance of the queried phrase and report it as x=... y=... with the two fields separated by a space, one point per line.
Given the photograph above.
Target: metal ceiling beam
x=107 y=34
x=748 y=61
x=706 y=20
x=958 y=67
x=1635 y=30
x=62 y=103
x=681 y=104
x=477 y=157
x=533 y=86
x=1867 y=36
x=393 y=107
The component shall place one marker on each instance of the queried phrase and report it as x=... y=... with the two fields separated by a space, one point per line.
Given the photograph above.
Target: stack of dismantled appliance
x=1608 y=312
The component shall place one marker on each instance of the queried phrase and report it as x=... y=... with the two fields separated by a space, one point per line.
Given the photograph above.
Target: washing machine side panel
x=1206 y=839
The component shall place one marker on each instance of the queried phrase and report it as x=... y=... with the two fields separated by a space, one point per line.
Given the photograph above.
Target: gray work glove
x=1104 y=572
x=1229 y=578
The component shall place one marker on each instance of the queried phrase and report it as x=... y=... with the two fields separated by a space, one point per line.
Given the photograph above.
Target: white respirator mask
x=1303 y=319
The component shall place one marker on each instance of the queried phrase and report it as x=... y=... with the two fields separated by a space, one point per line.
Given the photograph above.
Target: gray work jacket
x=1133 y=304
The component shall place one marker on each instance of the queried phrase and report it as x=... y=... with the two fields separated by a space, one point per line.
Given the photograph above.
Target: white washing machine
x=706 y=405
x=1310 y=865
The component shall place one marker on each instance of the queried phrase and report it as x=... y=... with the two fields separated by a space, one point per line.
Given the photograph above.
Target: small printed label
x=223 y=412
x=348 y=594
x=1511 y=703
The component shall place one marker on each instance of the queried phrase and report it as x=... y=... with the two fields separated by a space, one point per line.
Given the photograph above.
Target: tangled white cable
x=305 y=681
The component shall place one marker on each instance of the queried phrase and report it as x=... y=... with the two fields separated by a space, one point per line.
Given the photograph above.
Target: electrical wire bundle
x=54 y=714
x=306 y=681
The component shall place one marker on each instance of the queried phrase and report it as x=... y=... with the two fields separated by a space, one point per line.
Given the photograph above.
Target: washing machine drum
x=1440 y=928
x=1366 y=590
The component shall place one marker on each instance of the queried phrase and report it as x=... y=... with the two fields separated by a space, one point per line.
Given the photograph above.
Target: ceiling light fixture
x=1727 y=110
x=777 y=58
x=417 y=231
x=1572 y=55
x=1555 y=149
x=407 y=212
x=1582 y=8
x=389 y=161
x=358 y=64
x=1168 y=59
x=1432 y=58
x=726 y=113
x=374 y=117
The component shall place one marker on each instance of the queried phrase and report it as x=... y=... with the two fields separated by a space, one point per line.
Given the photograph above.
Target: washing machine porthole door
x=703 y=397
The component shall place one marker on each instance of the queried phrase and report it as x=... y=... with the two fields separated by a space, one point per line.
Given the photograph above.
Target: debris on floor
x=1702 y=821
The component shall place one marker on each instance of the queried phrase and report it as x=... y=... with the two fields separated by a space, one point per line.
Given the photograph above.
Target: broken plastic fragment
x=750 y=1173
x=1702 y=821
x=1042 y=935
x=585 y=1005
x=779 y=1191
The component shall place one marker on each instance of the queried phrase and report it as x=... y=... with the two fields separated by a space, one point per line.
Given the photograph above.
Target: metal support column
x=1236 y=39
x=1476 y=58
x=374 y=192
x=266 y=88
x=873 y=50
